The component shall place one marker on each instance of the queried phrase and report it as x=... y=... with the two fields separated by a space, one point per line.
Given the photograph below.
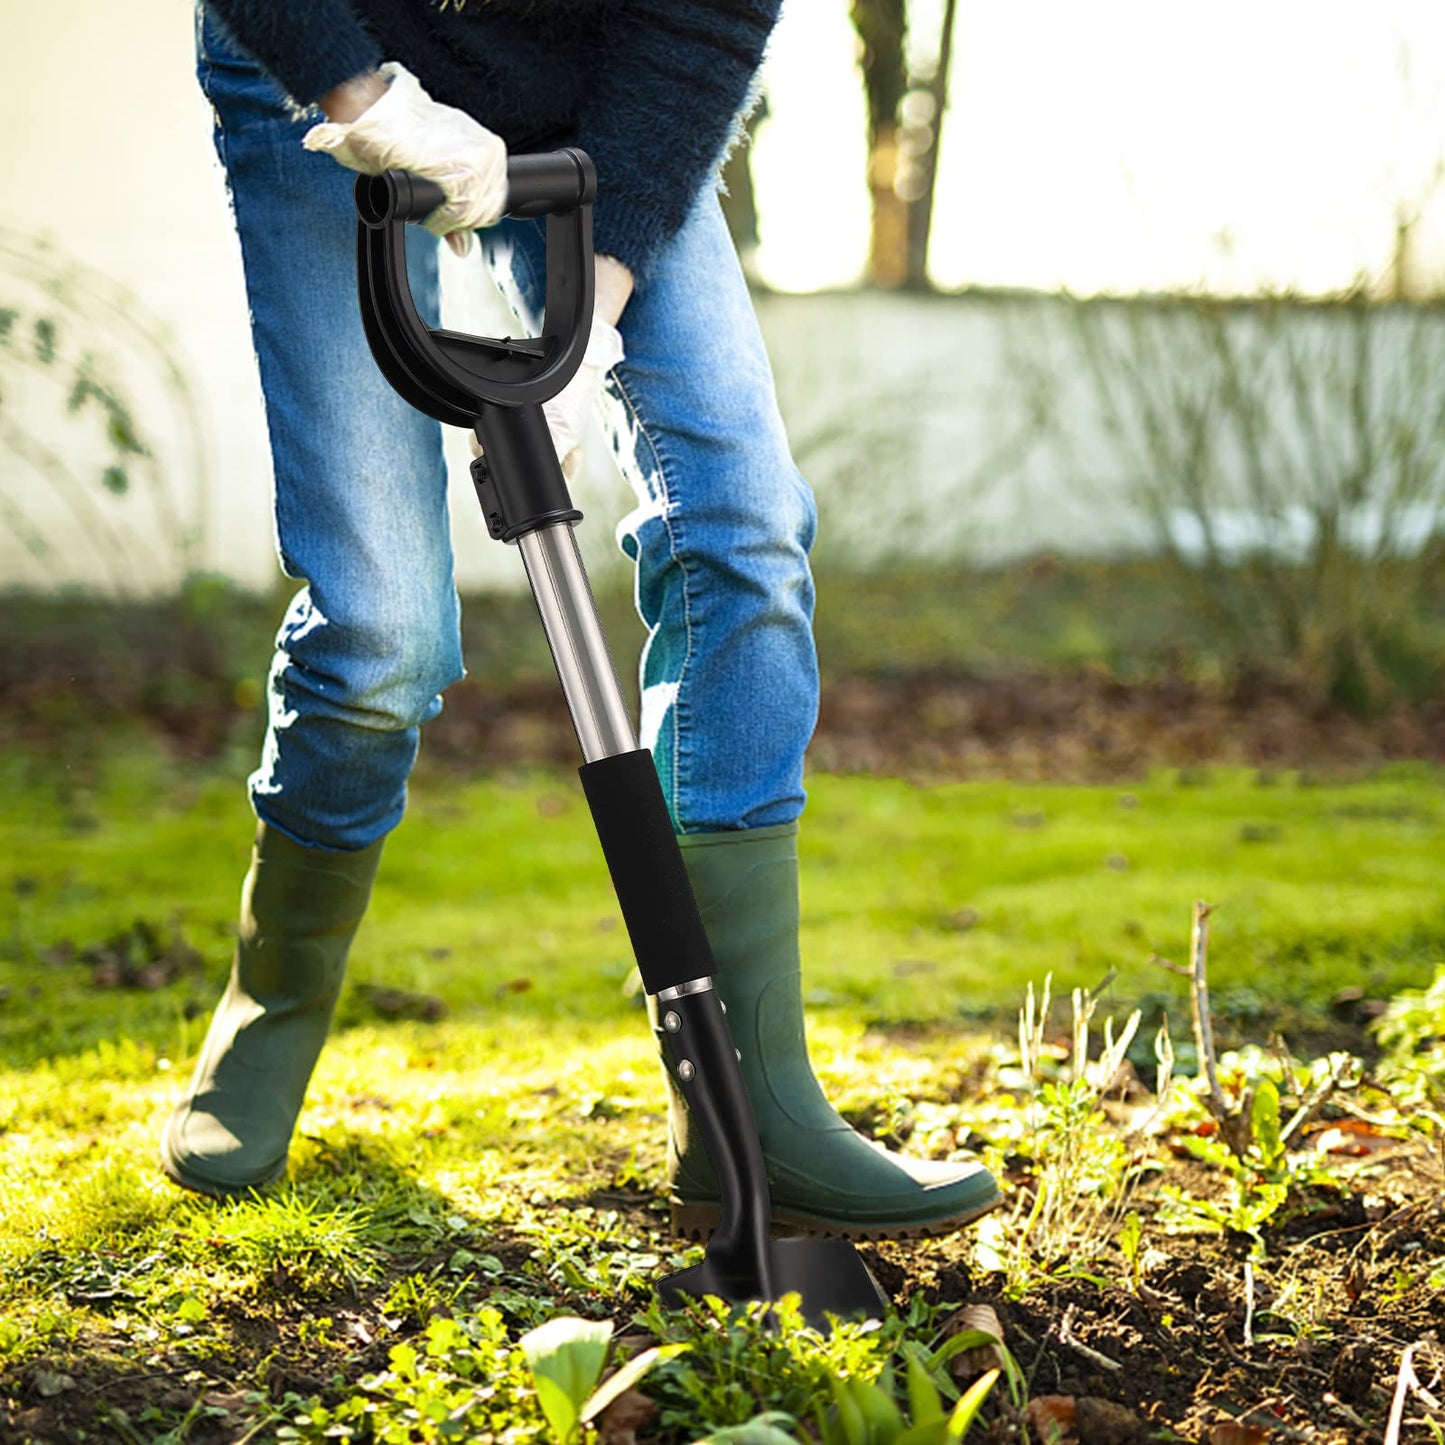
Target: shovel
x=496 y=388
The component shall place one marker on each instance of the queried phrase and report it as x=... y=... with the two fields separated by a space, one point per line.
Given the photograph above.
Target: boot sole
x=173 y=1171
x=215 y=1191
x=697 y=1222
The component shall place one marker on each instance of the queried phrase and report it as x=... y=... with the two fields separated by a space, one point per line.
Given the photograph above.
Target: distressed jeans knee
x=346 y=704
x=373 y=637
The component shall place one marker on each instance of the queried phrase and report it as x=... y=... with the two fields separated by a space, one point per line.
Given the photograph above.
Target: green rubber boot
x=826 y=1177
x=300 y=908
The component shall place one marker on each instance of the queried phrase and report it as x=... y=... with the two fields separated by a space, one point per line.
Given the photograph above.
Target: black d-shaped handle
x=448 y=374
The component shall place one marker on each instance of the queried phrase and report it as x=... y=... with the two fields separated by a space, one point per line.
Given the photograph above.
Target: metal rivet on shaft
x=685 y=1070
x=739 y=1053
x=671 y=1022
x=722 y=1005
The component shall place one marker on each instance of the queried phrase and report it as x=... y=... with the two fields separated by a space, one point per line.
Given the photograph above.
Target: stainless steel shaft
x=579 y=648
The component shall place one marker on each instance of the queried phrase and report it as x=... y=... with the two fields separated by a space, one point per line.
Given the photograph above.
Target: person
x=720 y=532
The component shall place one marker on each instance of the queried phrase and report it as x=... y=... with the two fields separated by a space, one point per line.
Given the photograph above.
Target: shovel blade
x=828 y=1274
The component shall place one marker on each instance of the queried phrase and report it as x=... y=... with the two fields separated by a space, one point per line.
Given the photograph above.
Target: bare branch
x=1316 y=1099
x=1067 y=1337
x=1405 y=1381
x=1199 y=1004
x=1169 y=965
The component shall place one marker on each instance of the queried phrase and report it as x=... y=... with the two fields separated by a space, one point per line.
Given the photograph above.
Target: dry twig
x=1067 y=1337
x=1234 y=1124
x=1315 y=1100
x=1343 y=1410
x=1407 y=1382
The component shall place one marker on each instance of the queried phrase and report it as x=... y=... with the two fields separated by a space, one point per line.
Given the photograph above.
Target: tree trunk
x=923 y=157
x=905 y=117
x=881 y=26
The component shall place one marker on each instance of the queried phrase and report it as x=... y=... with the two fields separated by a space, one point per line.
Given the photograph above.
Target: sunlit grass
x=925 y=904
x=511 y=1154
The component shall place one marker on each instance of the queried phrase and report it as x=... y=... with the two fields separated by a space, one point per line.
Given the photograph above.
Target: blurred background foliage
x=1241 y=492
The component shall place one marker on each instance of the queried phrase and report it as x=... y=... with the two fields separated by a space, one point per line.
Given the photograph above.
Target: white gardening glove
x=568 y=411
x=405 y=129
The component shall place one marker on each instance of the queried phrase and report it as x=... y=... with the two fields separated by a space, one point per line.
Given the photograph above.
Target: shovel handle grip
x=537 y=185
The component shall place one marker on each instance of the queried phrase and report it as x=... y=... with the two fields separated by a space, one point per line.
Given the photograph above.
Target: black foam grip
x=647 y=870
x=537 y=185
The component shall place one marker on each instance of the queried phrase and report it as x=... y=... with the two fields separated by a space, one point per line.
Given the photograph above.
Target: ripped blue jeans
x=719 y=530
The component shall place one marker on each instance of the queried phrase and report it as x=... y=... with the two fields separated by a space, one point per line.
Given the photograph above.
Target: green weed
x=1412 y=1034
x=1084 y=1170
x=566 y=1356
x=869 y=1413
x=469 y=1381
x=466 y=1381
x=288 y=1237
x=743 y=1361
x=1270 y=1159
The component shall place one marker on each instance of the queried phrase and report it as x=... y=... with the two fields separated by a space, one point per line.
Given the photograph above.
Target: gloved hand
x=405 y=129
x=568 y=411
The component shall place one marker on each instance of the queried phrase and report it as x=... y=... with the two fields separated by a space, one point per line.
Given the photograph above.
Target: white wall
x=108 y=156
x=899 y=407
x=115 y=166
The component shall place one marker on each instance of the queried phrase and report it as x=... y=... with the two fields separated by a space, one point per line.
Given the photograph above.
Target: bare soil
x=1082 y=725
x=1310 y=1350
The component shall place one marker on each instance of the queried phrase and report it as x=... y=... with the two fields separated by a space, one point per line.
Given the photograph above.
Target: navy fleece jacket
x=649 y=88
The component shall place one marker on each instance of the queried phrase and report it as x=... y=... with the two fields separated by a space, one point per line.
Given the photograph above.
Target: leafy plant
x=867 y=1412
x=466 y=1380
x=1411 y=1032
x=740 y=1358
x=1130 y=1240
x=81 y=355
x=1261 y=1158
x=470 y=1382
x=566 y=1357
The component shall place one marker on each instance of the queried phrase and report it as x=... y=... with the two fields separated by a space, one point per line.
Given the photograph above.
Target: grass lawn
x=921 y=904
x=509 y=1155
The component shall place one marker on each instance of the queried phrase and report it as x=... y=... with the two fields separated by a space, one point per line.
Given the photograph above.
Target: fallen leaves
x=147 y=956
x=1231 y=1432
x=1082 y=1420
x=1355 y=1138
x=1051 y=1418
x=624 y=1417
x=969 y=1364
